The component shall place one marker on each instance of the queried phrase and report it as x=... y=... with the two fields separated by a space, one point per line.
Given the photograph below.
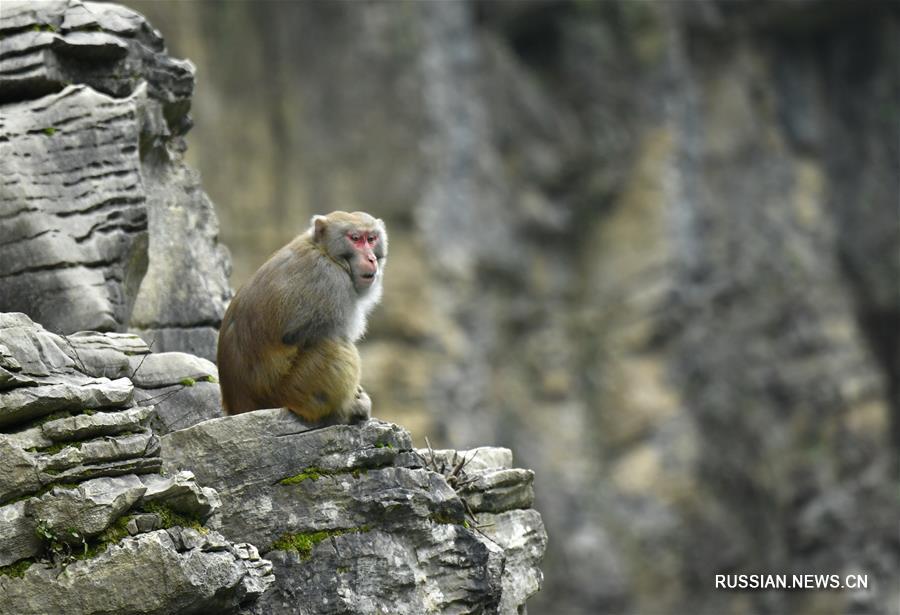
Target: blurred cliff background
x=653 y=247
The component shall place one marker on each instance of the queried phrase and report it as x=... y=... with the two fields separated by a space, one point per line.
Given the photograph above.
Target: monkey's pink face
x=366 y=255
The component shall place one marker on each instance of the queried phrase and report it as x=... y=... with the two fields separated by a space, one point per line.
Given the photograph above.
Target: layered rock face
x=103 y=226
x=90 y=523
x=102 y=515
x=357 y=521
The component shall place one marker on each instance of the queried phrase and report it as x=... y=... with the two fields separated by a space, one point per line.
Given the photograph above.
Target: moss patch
x=118 y=529
x=16 y=570
x=110 y=536
x=170 y=518
x=313 y=473
x=303 y=542
x=310 y=473
x=188 y=382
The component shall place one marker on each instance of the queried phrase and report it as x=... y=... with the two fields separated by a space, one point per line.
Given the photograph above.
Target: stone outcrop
x=163 y=572
x=348 y=519
x=94 y=196
x=90 y=525
x=355 y=520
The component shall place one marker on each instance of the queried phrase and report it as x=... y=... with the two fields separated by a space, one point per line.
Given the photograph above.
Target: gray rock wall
x=102 y=515
x=356 y=521
x=102 y=226
x=90 y=525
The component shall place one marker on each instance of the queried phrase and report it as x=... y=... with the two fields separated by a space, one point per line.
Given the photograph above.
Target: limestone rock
x=357 y=500
x=83 y=426
x=19 y=473
x=86 y=510
x=51 y=268
x=521 y=535
x=27 y=403
x=167 y=368
x=94 y=190
x=17 y=536
x=498 y=490
x=150 y=573
x=73 y=484
x=106 y=355
x=182 y=405
x=180 y=493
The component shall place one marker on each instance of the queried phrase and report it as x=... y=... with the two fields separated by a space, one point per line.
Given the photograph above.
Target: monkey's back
x=315 y=378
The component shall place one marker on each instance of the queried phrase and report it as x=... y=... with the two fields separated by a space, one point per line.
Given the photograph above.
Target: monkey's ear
x=319 y=223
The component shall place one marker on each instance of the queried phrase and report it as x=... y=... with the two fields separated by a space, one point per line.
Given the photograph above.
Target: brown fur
x=287 y=339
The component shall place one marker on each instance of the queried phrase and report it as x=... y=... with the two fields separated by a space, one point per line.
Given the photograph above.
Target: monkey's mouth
x=368 y=278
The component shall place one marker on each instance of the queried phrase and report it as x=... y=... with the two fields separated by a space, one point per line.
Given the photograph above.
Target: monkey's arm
x=304 y=334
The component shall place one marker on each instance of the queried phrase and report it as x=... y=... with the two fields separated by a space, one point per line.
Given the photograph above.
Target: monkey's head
x=357 y=239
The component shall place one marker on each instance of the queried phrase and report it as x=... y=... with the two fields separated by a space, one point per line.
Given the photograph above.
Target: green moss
x=383 y=445
x=310 y=473
x=209 y=379
x=110 y=536
x=17 y=570
x=170 y=518
x=49 y=131
x=43 y=27
x=117 y=530
x=188 y=382
x=304 y=542
x=313 y=473
x=343 y=569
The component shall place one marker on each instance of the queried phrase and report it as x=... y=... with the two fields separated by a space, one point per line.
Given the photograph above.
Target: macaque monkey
x=287 y=339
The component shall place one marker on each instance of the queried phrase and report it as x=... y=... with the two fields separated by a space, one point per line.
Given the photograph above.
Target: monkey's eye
x=373 y=239
x=354 y=237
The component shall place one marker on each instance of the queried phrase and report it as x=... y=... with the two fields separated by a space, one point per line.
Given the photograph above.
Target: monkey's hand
x=361 y=407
